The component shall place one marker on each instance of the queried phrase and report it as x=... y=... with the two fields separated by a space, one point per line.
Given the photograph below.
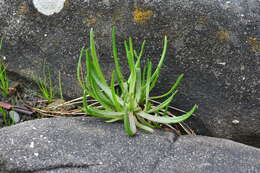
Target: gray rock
x=202 y=154
x=15 y=116
x=215 y=43
x=68 y=145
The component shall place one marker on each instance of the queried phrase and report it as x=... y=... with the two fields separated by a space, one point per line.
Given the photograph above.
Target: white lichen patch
x=48 y=7
x=32 y=145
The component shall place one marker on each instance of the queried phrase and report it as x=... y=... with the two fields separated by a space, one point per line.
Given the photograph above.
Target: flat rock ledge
x=68 y=145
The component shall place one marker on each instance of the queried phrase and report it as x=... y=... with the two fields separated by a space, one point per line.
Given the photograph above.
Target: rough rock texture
x=215 y=43
x=61 y=145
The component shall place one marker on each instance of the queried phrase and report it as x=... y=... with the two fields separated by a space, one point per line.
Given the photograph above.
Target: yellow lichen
x=202 y=20
x=90 y=20
x=222 y=35
x=67 y=4
x=254 y=43
x=23 y=8
x=142 y=16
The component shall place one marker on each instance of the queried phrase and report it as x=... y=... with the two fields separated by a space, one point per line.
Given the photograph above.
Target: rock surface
x=215 y=43
x=60 y=145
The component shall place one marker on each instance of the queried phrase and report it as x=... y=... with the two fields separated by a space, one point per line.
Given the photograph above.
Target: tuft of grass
x=8 y=120
x=4 y=83
x=60 y=86
x=45 y=86
x=131 y=103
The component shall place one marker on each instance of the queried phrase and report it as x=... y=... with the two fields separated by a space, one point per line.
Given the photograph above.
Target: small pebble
x=15 y=116
x=235 y=121
x=32 y=145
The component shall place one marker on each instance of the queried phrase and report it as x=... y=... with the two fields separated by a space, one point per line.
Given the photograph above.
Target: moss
x=202 y=20
x=222 y=35
x=254 y=44
x=67 y=4
x=23 y=8
x=142 y=16
x=90 y=20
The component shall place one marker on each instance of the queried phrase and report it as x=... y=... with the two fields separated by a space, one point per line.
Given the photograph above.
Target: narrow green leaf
x=147 y=86
x=142 y=49
x=131 y=49
x=168 y=120
x=116 y=61
x=103 y=113
x=138 y=85
x=163 y=104
x=129 y=123
x=99 y=95
x=114 y=96
x=113 y=120
x=132 y=83
x=130 y=58
x=155 y=75
x=60 y=86
x=95 y=58
x=176 y=84
x=144 y=122
x=144 y=127
x=105 y=88
x=79 y=69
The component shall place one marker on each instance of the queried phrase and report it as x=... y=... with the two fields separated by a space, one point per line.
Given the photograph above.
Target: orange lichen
x=254 y=43
x=142 y=16
x=222 y=35
x=251 y=38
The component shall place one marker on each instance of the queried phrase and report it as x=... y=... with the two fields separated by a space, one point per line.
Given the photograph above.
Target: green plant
x=45 y=87
x=60 y=86
x=130 y=101
x=4 y=84
x=8 y=120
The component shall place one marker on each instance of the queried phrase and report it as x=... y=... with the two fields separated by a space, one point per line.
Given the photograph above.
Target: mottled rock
x=215 y=43
x=68 y=145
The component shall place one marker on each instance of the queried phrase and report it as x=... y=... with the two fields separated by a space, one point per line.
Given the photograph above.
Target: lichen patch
x=142 y=16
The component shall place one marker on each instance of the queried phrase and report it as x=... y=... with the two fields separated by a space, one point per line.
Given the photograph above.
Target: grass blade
x=60 y=86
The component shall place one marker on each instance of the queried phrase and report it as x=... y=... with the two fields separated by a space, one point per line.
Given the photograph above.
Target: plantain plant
x=126 y=100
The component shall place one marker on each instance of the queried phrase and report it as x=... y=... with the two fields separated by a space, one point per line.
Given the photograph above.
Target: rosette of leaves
x=126 y=100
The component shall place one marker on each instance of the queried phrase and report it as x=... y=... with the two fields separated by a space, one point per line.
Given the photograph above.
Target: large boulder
x=214 y=43
x=61 y=145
